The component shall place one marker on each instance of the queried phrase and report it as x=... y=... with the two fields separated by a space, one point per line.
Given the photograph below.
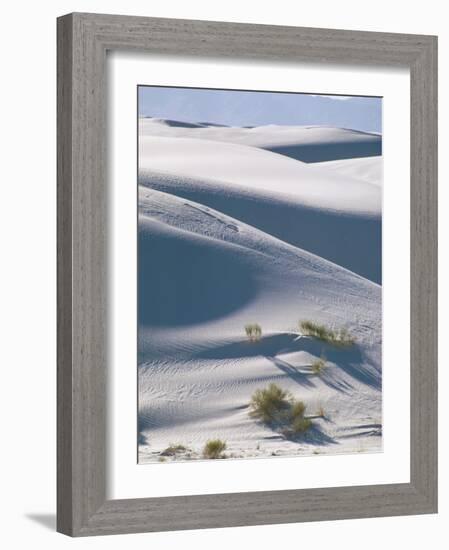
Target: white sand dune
x=364 y=169
x=257 y=169
x=306 y=143
x=210 y=262
x=197 y=372
x=305 y=206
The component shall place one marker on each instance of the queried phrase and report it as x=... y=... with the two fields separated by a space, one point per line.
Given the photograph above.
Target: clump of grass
x=297 y=410
x=270 y=404
x=173 y=449
x=298 y=422
x=339 y=338
x=319 y=365
x=314 y=329
x=275 y=405
x=321 y=412
x=214 y=448
x=343 y=338
x=301 y=424
x=253 y=332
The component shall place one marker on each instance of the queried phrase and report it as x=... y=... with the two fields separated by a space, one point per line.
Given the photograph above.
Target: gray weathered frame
x=83 y=40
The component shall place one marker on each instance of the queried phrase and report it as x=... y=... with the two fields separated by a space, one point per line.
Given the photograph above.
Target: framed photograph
x=247 y=282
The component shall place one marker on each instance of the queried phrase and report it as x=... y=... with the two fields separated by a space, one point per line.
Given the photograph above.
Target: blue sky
x=249 y=108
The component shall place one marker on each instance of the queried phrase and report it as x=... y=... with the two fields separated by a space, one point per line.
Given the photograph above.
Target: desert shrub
x=270 y=404
x=314 y=329
x=297 y=410
x=174 y=449
x=253 y=332
x=298 y=422
x=340 y=338
x=343 y=338
x=301 y=424
x=318 y=366
x=214 y=448
x=275 y=405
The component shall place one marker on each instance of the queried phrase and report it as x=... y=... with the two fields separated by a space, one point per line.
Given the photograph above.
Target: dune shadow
x=301 y=378
x=371 y=147
x=268 y=346
x=313 y=436
x=335 y=383
x=184 y=281
x=212 y=124
x=152 y=416
x=350 y=359
x=359 y=238
x=181 y=124
x=142 y=425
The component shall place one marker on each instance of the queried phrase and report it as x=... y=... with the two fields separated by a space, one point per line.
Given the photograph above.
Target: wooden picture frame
x=83 y=40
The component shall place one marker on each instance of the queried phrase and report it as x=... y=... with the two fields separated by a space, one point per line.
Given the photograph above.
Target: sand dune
x=260 y=170
x=215 y=251
x=197 y=372
x=288 y=218
x=305 y=143
x=232 y=233
x=306 y=205
x=365 y=169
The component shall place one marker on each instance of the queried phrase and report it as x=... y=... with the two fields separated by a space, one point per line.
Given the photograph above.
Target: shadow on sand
x=217 y=275
x=370 y=147
x=300 y=377
x=313 y=436
x=268 y=346
x=350 y=360
x=302 y=226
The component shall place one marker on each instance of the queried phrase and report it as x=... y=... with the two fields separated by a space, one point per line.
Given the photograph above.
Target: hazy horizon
x=257 y=108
